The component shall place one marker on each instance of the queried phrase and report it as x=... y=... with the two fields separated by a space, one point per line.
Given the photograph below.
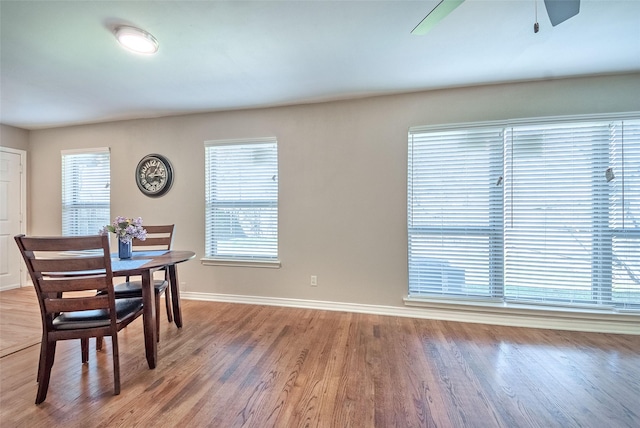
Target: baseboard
x=573 y=321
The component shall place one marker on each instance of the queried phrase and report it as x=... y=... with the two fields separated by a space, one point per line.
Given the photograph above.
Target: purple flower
x=126 y=229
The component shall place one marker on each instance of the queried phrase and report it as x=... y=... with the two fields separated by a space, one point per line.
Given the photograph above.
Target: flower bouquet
x=126 y=229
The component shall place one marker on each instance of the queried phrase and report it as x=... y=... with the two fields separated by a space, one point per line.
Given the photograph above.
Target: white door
x=11 y=204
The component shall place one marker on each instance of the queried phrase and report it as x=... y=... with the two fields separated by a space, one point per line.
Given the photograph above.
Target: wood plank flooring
x=238 y=365
x=20 y=324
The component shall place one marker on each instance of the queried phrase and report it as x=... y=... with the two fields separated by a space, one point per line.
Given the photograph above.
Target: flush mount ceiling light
x=136 y=40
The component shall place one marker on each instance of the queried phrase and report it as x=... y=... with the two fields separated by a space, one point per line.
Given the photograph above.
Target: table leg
x=149 y=319
x=175 y=295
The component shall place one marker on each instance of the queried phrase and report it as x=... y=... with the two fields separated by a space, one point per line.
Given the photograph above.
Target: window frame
x=606 y=233
x=492 y=231
x=252 y=259
x=73 y=194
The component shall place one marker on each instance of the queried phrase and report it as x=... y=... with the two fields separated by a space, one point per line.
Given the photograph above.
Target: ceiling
x=60 y=64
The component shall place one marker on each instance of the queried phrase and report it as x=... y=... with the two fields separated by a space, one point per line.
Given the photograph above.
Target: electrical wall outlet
x=314 y=281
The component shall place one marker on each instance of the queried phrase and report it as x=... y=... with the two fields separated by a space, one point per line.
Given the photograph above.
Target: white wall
x=342 y=179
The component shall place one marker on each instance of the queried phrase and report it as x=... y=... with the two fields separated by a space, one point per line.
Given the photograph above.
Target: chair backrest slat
x=69 y=264
x=72 y=283
x=158 y=238
x=69 y=304
x=61 y=243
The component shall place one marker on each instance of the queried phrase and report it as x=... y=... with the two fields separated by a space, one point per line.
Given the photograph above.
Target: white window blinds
x=556 y=220
x=241 y=199
x=624 y=214
x=455 y=212
x=86 y=191
x=557 y=242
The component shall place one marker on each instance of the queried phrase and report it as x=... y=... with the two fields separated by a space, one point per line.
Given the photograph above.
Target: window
x=241 y=218
x=86 y=191
x=544 y=213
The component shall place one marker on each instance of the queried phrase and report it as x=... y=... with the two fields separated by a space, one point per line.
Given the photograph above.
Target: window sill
x=606 y=320
x=270 y=264
x=514 y=308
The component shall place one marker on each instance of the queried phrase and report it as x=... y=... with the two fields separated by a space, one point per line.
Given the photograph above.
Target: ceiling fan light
x=136 y=40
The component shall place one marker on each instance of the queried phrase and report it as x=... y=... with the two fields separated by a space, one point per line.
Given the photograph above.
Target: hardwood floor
x=257 y=366
x=20 y=324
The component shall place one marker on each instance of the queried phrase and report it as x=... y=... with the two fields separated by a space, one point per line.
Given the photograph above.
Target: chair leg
x=44 y=371
x=84 y=345
x=157 y=317
x=43 y=356
x=116 y=364
x=98 y=343
x=167 y=303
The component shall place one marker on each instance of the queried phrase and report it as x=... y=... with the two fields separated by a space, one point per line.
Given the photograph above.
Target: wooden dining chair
x=74 y=284
x=158 y=238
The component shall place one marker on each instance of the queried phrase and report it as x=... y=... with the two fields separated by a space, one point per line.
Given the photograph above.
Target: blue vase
x=124 y=249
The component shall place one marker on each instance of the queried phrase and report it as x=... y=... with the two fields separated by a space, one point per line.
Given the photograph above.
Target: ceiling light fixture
x=136 y=40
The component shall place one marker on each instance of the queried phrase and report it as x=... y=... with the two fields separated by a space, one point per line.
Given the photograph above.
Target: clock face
x=154 y=175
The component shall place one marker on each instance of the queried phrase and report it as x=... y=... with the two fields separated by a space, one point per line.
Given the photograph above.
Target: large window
x=241 y=199
x=86 y=191
x=535 y=212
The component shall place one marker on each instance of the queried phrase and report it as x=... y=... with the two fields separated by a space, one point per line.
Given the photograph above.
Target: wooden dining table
x=144 y=263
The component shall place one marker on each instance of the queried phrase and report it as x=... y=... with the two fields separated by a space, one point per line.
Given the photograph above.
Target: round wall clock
x=154 y=175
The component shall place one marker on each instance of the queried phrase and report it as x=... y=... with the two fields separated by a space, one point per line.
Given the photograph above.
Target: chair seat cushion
x=134 y=288
x=125 y=308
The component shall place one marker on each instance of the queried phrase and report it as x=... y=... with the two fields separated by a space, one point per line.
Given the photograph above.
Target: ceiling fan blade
x=561 y=10
x=444 y=8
